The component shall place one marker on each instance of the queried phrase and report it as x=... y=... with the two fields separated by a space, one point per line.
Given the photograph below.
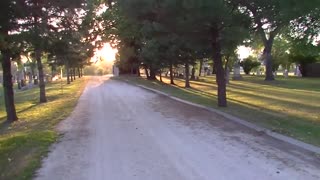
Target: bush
x=248 y=64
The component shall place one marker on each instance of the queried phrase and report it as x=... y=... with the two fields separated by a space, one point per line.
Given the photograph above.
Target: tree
x=303 y=53
x=248 y=64
x=10 y=12
x=218 y=24
x=280 y=53
x=269 y=18
x=196 y=25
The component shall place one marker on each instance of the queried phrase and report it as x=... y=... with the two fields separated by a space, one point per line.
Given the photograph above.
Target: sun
x=107 y=53
x=244 y=52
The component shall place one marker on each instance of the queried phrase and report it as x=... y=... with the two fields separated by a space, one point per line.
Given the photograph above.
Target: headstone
x=115 y=71
x=298 y=72
x=295 y=70
x=258 y=72
x=286 y=73
x=236 y=72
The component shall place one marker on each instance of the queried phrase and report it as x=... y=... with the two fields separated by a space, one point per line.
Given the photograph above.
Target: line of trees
x=161 y=34
x=57 y=31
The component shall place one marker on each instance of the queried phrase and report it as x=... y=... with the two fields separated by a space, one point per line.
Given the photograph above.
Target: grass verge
x=287 y=106
x=24 y=143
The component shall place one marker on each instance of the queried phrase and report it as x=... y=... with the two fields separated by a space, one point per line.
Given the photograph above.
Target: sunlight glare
x=244 y=52
x=107 y=53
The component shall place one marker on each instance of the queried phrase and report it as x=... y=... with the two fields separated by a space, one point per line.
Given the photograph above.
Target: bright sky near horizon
x=244 y=52
x=107 y=53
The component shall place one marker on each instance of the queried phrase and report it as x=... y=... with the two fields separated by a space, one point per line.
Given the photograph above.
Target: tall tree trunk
x=171 y=74
x=152 y=74
x=214 y=69
x=42 y=85
x=160 y=73
x=226 y=69
x=201 y=64
x=193 y=74
x=71 y=75
x=52 y=72
x=74 y=74
x=79 y=75
x=220 y=74
x=68 y=72
x=38 y=52
x=81 y=72
x=8 y=87
x=138 y=71
x=268 y=60
x=187 y=73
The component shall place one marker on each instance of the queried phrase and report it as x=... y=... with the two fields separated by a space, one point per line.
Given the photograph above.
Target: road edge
x=298 y=143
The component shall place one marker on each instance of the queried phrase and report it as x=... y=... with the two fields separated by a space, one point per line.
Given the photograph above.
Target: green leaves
x=248 y=64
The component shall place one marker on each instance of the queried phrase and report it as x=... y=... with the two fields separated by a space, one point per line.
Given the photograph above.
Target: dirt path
x=121 y=132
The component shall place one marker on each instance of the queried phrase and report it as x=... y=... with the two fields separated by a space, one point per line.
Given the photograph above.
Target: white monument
x=286 y=73
x=236 y=71
x=298 y=72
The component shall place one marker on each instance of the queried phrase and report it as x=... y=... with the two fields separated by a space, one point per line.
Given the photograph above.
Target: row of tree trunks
x=8 y=87
x=72 y=73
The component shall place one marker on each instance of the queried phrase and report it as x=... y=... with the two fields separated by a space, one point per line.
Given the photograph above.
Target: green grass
x=288 y=106
x=24 y=143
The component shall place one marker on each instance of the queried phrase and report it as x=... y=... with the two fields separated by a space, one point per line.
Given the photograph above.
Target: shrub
x=248 y=64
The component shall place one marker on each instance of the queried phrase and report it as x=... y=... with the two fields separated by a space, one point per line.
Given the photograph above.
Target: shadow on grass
x=309 y=84
x=274 y=100
x=296 y=126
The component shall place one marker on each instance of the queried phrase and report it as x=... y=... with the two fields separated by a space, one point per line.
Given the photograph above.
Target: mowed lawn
x=24 y=143
x=288 y=106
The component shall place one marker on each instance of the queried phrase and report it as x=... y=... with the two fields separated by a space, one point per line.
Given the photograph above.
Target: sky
x=107 y=53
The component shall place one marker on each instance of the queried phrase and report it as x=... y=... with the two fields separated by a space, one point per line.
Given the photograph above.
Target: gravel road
x=121 y=132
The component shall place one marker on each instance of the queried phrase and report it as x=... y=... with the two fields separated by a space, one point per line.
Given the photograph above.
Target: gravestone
x=258 y=72
x=115 y=71
x=298 y=72
x=275 y=73
x=236 y=72
x=286 y=73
